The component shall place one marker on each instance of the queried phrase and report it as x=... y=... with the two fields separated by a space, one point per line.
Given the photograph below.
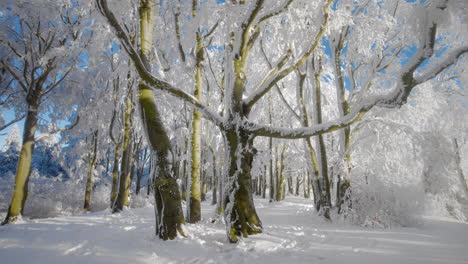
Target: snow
x=293 y=233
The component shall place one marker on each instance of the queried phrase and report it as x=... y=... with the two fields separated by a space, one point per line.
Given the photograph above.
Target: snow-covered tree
x=246 y=82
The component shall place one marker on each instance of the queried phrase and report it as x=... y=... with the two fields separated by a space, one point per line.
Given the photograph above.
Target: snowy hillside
x=293 y=234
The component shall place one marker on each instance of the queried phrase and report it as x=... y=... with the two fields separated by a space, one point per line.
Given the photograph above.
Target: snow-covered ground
x=292 y=234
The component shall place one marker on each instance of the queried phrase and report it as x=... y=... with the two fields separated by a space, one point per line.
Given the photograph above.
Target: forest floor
x=293 y=233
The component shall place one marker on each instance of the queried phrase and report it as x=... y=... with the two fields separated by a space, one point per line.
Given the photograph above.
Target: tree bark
x=125 y=166
x=240 y=214
x=92 y=163
x=169 y=218
x=115 y=175
x=20 y=192
x=325 y=192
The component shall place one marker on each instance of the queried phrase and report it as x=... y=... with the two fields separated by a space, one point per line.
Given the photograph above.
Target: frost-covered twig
x=45 y=135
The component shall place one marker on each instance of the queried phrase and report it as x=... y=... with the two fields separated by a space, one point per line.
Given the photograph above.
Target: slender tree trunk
x=194 y=210
x=311 y=155
x=281 y=177
x=115 y=174
x=307 y=184
x=298 y=184
x=203 y=178
x=215 y=178
x=325 y=192
x=184 y=172
x=343 y=183
x=290 y=185
x=23 y=171
x=92 y=163
x=264 y=183
x=125 y=167
x=141 y=168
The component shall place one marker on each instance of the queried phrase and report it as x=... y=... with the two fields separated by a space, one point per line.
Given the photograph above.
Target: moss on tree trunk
x=125 y=171
x=240 y=214
x=169 y=217
x=20 y=192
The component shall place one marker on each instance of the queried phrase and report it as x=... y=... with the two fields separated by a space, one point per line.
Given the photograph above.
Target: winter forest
x=233 y=131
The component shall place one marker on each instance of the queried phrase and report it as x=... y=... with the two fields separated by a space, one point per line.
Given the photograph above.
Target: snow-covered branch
x=275 y=11
x=449 y=61
x=45 y=135
x=393 y=99
x=271 y=79
x=146 y=75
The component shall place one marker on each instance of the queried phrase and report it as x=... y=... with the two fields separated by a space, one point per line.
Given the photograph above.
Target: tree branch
x=145 y=74
x=12 y=122
x=17 y=78
x=395 y=98
x=449 y=61
x=272 y=79
x=40 y=137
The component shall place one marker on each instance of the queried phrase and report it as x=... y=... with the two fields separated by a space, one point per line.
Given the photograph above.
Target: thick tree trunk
x=169 y=218
x=20 y=192
x=92 y=162
x=240 y=214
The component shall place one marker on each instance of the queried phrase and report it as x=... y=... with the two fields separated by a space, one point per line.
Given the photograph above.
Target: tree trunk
x=184 y=173
x=125 y=166
x=307 y=186
x=290 y=185
x=264 y=183
x=215 y=178
x=140 y=170
x=272 y=176
x=169 y=218
x=325 y=192
x=92 y=162
x=23 y=171
x=115 y=175
x=240 y=214
x=281 y=177
x=203 y=178
x=298 y=185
